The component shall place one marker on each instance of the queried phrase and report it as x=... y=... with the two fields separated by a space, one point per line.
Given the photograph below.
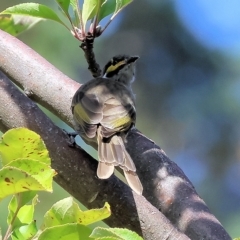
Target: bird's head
x=121 y=68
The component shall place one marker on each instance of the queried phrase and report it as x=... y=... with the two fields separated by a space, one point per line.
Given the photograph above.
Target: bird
x=103 y=113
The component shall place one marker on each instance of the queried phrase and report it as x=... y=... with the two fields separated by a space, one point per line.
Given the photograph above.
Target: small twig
x=95 y=31
x=87 y=47
x=102 y=30
x=79 y=14
x=9 y=230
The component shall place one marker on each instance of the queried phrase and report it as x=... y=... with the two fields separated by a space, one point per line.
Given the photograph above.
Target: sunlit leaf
x=20 y=216
x=17 y=202
x=76 y=11
x=120 y=4
x=26 y=197
x=24 y=214
x=89 y=10
x=95 y=215
x=22 y=143
x=25 y=232
x=112 y=7
x=68 y=211
x=65 y=232
x=40 y=171
x=16 y=24
x=64 y=4
x=23 y=175
x=12 y=208
x=108 y=7
x=74 y=4
x=114 y=233
x=34 y=10
x=62 y=212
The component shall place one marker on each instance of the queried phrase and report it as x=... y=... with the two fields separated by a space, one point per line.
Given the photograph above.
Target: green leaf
x=107 y=8
x=26 y=197
x=65 y=232
x=25 y=232
x=62 y=212
x=12 y=208
x=20 y=216
x=74 y=4
x=64 y=4
x=34 y=10
x=120 y=4
x=114 y=233
x=40 y=171
x=112 y=7
x=76 y=11
x=22 y=143
x=23 y=175
x=15 y=25
x=95 y=215
x=24 y=213
x=90 y=9
x=18 y=201
x=68 y=211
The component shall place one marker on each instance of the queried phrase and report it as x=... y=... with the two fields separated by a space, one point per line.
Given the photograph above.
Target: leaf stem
x=110 y=20
x=9 y=230
x=79 y=14
x=70 y=20
x=95 y=23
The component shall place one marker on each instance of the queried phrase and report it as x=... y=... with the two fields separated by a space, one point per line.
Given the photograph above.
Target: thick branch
x=77 y=170
x=165 y=185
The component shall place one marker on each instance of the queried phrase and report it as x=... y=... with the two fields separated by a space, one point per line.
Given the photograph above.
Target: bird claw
x=71 y=136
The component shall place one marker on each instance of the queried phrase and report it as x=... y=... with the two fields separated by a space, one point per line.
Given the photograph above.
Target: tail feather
x=117 y=148
x=113 y=153
x=106 y=160
x=129 y=164
x=134 y=182
x=104 y=170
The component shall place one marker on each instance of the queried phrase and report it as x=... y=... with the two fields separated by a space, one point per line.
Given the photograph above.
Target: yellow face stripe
x=114 y=67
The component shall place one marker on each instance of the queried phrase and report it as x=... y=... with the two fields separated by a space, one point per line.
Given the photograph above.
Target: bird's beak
x=132 y=59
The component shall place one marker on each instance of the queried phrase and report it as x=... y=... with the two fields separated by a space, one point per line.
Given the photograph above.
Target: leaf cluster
x=25 y=171
x=18 y=18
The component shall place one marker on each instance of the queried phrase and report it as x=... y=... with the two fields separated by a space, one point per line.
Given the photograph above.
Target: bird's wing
x=87 y=112
x=116 y=117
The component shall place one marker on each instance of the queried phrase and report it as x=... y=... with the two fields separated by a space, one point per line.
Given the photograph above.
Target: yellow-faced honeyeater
x=104 y=111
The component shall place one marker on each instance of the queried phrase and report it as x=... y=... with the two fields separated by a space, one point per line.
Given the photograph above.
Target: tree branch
x=87 y=47
x=77 y=170
x=165 y=185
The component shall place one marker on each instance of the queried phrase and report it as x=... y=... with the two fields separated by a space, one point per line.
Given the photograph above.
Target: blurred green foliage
x=187 y=96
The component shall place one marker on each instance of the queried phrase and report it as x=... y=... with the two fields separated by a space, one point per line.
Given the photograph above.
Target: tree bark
x=169 y=207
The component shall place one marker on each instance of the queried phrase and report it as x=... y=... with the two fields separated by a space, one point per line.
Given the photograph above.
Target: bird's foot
x=71 y=136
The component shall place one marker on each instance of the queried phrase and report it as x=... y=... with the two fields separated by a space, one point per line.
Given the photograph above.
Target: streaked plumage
x=103 y=111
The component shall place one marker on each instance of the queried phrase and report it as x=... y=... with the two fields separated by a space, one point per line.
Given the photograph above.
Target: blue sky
x=214 y=23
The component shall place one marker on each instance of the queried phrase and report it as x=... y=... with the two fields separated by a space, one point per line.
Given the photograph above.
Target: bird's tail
x=111 y=153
